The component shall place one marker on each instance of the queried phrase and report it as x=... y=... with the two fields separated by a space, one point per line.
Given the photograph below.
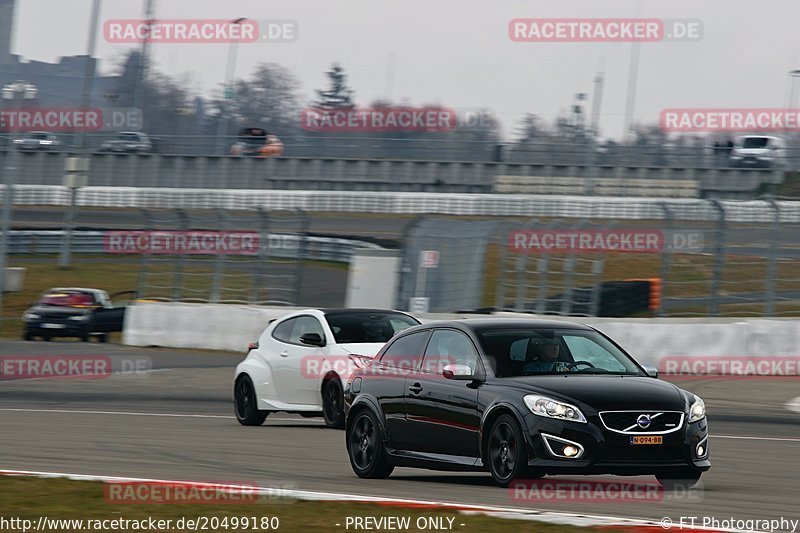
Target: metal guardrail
x=406 y=203
x=343 y=174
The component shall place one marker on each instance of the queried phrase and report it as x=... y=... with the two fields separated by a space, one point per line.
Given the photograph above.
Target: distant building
x=60 y=84
x=6 y=28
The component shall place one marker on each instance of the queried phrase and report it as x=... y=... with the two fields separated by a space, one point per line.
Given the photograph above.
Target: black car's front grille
x=634 y=422
x=642 y=454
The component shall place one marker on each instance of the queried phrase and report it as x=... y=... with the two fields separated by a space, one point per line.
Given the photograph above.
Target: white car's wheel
x=245 y=403
x=333 y=403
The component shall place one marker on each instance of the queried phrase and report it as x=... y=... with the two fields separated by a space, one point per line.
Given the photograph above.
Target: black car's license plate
x=647 y=439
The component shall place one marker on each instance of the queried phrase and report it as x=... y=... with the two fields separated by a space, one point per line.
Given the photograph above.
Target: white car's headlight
x=30 y=316
x=550 y=408
x=698 y=410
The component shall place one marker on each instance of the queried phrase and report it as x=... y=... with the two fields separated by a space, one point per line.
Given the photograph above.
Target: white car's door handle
x=285 y=353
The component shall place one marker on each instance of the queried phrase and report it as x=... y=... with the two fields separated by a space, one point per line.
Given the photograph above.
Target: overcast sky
x=458 y=53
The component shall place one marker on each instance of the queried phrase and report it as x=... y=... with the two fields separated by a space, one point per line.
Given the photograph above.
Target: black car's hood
x=604 y=392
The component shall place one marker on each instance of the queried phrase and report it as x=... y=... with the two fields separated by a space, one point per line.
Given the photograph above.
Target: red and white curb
x=552 y=517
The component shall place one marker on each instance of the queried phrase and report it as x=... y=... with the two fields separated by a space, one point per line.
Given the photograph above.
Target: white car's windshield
x=367 y=326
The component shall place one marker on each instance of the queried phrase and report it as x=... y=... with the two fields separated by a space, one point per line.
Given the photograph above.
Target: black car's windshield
x=358 y=326
x=535 y=351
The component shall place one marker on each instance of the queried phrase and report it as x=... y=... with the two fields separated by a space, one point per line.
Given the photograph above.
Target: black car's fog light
x=702 y=450
x=562 y=448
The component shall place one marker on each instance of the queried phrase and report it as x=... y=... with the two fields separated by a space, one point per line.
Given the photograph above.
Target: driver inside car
x=542 y=357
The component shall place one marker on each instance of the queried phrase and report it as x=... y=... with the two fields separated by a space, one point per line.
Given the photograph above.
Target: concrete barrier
x=232 y=327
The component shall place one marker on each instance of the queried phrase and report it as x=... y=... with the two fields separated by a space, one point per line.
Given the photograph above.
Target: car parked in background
x=521 y=399
x=302 y=360
x=128 y=142
x=257 y=142
x=38 y=141
x=753 y=151
x=73 y=312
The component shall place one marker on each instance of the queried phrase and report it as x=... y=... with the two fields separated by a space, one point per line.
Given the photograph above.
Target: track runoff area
x=154 y=430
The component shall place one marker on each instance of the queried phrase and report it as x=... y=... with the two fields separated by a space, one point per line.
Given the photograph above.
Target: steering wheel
x=579 y=363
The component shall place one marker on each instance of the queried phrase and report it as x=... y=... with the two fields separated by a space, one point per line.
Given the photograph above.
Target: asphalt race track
x=176 y=422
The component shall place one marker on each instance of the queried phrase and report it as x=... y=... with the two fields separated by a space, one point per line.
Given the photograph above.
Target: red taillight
x=252 y=346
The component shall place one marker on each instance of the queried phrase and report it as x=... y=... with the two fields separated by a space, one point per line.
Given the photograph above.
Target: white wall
x=232 y=327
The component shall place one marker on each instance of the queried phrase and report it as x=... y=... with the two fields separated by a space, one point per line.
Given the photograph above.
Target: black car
x=73 y=312
x=521 y=399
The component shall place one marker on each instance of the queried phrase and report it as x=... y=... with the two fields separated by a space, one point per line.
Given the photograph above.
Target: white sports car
x=301 y=362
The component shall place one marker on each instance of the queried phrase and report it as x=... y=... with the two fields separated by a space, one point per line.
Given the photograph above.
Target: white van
x=758 y=151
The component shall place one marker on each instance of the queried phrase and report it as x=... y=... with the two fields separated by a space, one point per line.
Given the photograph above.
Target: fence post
x=500 y=289
x=259 y=292
x=597 y=269
x=145 y=261
x=666 y=257
x=772 y=267
x=302 y=248
x=719 y=258
x=219 y=261
x=180 y=261
x=569 y=268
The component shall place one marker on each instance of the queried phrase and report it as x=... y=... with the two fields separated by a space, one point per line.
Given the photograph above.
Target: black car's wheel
x=245 y=404
x=365 y=447
x=505 y=451
x=333 y=403
x=103 y=337
x=678 y=480
x=46 y=338
x=27 y=335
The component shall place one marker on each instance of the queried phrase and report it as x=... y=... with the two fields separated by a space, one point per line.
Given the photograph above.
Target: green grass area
x=30 y=498
x=122 y=274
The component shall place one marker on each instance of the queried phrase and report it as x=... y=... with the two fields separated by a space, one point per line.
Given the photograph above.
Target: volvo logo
x=644 y=421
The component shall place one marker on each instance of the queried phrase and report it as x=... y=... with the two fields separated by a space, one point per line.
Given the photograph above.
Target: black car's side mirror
x=458 y=373
x=651 y=371
x=312 y=339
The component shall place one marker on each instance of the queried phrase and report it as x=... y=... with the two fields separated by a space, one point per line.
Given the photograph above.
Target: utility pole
x=140 y=84
x=80 y=166
x=597 y=102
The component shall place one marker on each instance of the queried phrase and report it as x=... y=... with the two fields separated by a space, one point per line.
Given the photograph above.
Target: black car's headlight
x=30 y=316
x=698 y=410
x=550 y=408
x=79 y=318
